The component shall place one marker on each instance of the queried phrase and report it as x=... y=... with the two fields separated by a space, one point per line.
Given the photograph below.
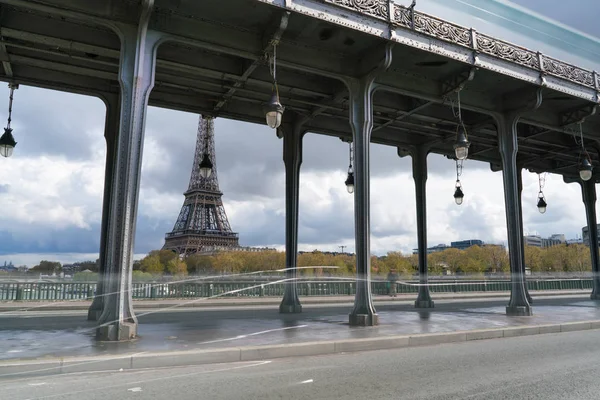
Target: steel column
x=361 y=122
x=292 y=158
x=588 y=191
x=419 y=166
x=136 y=78
x=111 y=130
x=507 y=138
x=520 y=184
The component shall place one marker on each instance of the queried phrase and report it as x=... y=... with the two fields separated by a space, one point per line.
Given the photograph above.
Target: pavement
x=561 y=366
x=63 y=340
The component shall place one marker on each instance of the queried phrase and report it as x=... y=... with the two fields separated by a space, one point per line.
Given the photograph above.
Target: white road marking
x=37 y=384
x=307 y=381
x=135 y=389
x=253 y=334
x=250 y=365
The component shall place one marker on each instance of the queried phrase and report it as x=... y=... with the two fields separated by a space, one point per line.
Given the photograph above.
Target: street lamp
x=273 y=109
x=585 y=169
x=541 y=204
x=7 y=140
x=461 y=146
x=7 y=143
x=350 y=179
x=458 y=193
x=206 y=165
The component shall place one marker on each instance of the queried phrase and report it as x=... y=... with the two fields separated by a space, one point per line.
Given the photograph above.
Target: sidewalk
x=265 y=301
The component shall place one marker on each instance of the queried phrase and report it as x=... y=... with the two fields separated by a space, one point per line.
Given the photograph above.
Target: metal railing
x=40 y=291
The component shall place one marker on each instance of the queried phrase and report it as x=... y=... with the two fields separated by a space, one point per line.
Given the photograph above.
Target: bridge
x=366 y=71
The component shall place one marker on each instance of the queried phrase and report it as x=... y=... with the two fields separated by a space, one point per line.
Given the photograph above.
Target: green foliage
x=47 y=267
x=139 y=276
x=152 y=265
x=85 y=276
x=177 y=267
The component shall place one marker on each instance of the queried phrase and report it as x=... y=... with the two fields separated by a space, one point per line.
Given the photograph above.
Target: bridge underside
x=210 y=59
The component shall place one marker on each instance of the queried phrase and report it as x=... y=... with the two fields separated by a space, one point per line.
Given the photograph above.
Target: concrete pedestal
x=112 y=333
x=519 y=311
x=363 y=319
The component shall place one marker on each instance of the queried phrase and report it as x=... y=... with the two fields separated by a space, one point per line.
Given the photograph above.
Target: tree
x=152 y=264
x=47 y=267
x=198 y=264
x=177 y=267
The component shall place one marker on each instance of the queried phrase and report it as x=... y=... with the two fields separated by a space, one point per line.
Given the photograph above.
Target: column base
x=290 y=308
x=519 y=311
x=363 y=319
x=595 y=296
x=112 y=333
x=424 y=304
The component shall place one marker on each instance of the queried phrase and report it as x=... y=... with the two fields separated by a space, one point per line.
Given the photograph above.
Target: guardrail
x=36 y=291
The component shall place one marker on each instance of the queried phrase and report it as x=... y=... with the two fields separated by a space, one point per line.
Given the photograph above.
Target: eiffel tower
x=202 y=225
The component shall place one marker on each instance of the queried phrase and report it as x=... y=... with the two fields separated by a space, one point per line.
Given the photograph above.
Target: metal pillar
x=361 y=122
x=588 y=191
x=520 y=184
x=419 y=165
x=507 y=138
x=292 y=158
x=136 y=78
x=111 y=127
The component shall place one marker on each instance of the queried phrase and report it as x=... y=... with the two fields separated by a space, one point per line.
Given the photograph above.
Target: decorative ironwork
x=568 y=71
x=457 y=34
x=441 y=29
x=379 y=8
x=507 y=51
x=402 y=16
x=202 y=222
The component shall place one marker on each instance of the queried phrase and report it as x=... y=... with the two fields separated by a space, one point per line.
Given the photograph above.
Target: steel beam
x=292 y=158
x=588 y=192
x=419 y=165
x=136 y=77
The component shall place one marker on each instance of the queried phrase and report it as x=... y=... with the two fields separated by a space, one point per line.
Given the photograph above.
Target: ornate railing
x=54 y=291
x=398 y=15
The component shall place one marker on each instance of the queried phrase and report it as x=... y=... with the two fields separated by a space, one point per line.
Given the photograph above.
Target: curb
x=270 y=301
x=47 y=366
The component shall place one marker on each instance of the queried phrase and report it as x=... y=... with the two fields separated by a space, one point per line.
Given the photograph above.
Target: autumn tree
x=152 y=265
x=177 y=267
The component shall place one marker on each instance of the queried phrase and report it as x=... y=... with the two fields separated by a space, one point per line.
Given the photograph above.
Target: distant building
x=577 y=241
x=434 y=249
x=538 y=241
x=532 y=240
x=465 y=244
x=8 y=267
x=585 y=234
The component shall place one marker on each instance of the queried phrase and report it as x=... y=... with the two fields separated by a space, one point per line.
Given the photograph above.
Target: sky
x=51 y=189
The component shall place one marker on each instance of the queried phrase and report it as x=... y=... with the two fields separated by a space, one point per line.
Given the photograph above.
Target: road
x=553 y=366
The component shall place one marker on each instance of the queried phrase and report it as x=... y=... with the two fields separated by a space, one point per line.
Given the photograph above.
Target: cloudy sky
x=51 y=189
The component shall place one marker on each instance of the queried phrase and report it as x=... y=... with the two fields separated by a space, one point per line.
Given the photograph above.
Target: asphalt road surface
x=552 y=366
